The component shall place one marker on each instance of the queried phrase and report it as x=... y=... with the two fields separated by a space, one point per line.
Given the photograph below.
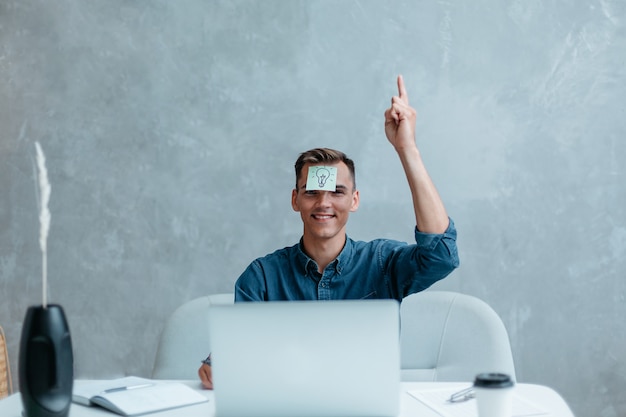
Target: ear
x=294 y=200
x=355 y=201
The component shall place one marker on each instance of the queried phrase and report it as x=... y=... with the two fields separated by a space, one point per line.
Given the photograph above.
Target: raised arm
x=430 y=213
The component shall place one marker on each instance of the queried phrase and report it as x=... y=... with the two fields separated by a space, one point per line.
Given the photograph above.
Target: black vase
x=46 y=363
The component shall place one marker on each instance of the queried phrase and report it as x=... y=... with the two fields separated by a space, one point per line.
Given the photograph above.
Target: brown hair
x=323 y=156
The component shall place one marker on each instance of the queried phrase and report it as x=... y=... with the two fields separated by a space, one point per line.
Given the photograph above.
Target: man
x=326 y=264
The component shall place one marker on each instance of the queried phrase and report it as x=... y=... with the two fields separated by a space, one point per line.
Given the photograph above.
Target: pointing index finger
x=402 y=90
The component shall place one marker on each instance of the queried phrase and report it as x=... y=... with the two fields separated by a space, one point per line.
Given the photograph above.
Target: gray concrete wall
x=171 y=128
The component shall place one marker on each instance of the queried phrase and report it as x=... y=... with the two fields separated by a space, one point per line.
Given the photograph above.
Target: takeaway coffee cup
x=494 y=395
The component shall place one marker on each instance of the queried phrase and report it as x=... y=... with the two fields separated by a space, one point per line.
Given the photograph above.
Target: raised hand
x=400 y=119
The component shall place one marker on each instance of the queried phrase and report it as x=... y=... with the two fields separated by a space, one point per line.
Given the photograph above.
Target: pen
x=463 y=395
x=107 y=391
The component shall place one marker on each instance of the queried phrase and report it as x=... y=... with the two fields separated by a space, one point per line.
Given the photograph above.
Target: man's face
x=325 y=213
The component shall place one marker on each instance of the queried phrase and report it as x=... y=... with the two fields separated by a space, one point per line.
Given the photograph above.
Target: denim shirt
x=381 y=268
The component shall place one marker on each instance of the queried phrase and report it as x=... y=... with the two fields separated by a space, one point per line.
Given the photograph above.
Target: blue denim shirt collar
x=307 y=263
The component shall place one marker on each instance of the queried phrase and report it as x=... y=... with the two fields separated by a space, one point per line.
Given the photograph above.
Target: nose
x=323 y=199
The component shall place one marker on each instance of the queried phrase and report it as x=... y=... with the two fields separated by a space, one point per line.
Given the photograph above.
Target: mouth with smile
x=322 y=216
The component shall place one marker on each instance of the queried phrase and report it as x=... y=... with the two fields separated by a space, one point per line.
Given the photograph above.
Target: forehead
x=343 y=173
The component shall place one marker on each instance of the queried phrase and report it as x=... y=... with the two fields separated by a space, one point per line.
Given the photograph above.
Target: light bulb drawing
x=322 y=175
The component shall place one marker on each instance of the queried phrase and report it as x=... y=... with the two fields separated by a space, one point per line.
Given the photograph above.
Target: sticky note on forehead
x=322 y=178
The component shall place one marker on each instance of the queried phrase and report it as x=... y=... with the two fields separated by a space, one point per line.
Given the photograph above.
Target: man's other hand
x=206 y=376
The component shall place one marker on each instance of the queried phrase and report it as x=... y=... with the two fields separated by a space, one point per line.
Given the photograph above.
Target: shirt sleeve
x=428 y=241
x=414 y=268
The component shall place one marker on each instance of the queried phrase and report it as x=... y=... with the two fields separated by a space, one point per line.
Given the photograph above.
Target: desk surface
x=544 y=397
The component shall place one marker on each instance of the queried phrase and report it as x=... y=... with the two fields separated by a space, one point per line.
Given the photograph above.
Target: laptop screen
x=306 y=358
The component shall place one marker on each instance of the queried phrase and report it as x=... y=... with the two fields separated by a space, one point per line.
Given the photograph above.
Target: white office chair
x=185 y=338
x=445 y=336
x=448 y=336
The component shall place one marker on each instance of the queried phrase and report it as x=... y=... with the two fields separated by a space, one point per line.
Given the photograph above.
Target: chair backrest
x=185 y=340
x=448 y=336
x=6 y=383
x=445 y=336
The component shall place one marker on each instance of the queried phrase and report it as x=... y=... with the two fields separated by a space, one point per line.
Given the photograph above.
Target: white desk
x=542 y=396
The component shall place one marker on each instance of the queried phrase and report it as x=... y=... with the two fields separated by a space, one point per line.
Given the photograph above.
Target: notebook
x=306 y=359
x=132 y=396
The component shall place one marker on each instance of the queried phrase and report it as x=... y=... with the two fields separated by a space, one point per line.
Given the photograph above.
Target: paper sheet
x=437 y=399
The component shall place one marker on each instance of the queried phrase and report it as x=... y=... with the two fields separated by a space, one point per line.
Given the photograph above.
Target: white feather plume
x=44 y=215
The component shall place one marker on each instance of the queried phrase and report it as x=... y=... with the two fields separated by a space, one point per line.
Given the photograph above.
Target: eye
x=340 y=190
x=310 y=192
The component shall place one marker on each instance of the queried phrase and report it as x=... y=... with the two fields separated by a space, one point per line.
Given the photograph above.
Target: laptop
x=306 y=358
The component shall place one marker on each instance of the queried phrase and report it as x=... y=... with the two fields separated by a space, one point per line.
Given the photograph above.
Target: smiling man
x=326 y=264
